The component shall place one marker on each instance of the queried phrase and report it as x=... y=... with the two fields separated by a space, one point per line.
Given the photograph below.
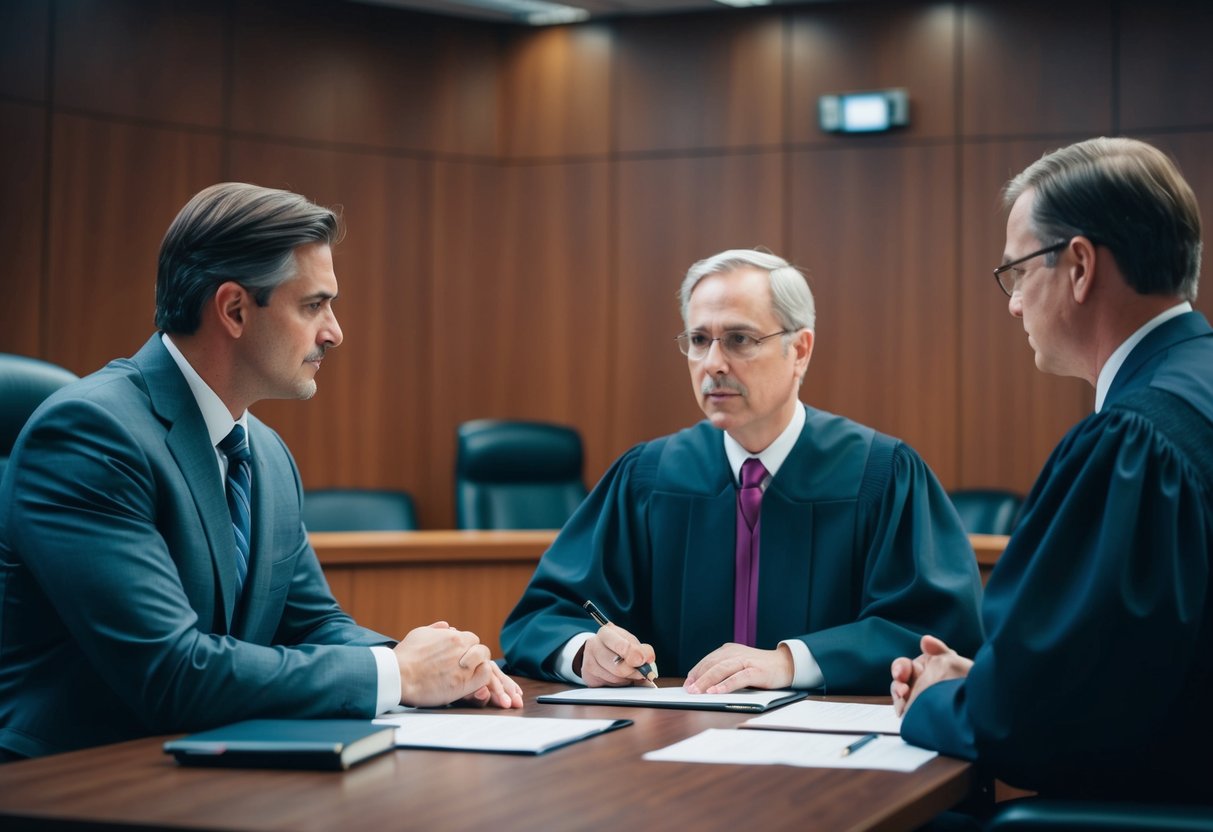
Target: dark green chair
x=24 y=384
x=987 y=510
x=358 y=510
x=517 y=475
x=1036 y=814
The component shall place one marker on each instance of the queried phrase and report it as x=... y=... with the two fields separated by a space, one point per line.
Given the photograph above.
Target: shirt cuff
x=564 y=664
x=806 y=673
x=388 y=696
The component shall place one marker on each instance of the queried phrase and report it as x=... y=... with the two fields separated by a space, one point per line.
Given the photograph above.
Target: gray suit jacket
x=118 y=615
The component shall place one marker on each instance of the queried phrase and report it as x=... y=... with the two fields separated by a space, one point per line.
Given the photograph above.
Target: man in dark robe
x=1094 y=679
x=812 y=570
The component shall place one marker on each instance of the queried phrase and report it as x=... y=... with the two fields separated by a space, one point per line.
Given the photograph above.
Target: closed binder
x=328 y=744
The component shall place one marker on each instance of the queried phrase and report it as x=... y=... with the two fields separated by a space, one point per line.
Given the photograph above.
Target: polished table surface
x=600 y=783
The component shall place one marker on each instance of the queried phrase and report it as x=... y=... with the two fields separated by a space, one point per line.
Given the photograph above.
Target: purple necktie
x=745 y=598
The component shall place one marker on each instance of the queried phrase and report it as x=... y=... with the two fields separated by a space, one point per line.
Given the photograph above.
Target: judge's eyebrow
x=315 y=296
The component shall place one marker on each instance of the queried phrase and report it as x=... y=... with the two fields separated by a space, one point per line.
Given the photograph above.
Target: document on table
x=509 y=734
x=789 y=748
x=746 y=700
x=841 y=717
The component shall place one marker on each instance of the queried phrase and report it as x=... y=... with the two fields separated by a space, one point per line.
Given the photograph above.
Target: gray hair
x=792 y=300
x=238 y=232
x=1127 y=196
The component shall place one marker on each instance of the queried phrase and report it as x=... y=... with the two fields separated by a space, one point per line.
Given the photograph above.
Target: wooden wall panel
x=159 y=60
x=667 y=65
x=521 y=299
x=1013 y=414
x=23 y=48
x=350 y=73
x=366 y=426
x=557 y=97
x=672 y=213
x=883 y=274
x=22 y=220
x=834 y=49
x=1166 y=66
x=114 y=190
x=1036 y=67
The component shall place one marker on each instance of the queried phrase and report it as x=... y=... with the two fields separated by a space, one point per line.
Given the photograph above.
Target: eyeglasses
x=1010 y=282
x=735 y=343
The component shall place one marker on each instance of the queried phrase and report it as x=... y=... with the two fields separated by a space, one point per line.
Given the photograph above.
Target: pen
x=858 y=744
x=646 y=669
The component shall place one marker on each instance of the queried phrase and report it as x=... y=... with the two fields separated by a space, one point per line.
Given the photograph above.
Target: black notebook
x=330 y=744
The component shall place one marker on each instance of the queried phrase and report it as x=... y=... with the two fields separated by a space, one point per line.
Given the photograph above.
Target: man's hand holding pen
x=612 y=658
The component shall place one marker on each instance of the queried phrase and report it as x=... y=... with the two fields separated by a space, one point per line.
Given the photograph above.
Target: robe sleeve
x=1096 y=617
x=918 y=575
x=595 y=557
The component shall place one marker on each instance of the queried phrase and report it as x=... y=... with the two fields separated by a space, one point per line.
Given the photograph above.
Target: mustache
x=318 y=355
x=717 y=384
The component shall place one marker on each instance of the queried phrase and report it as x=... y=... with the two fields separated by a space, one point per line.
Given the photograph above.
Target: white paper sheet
x=744 y=700
x=793 y=748
x=843 y=717
x=522 y=735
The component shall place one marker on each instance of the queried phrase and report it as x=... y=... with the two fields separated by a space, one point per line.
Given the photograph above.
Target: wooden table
x=599 y=784
x=394 y=581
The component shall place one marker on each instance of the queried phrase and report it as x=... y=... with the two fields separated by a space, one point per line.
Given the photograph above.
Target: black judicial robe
x=861 y=553
x=1096 y=676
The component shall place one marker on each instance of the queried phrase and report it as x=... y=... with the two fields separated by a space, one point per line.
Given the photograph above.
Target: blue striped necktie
x=239 y=490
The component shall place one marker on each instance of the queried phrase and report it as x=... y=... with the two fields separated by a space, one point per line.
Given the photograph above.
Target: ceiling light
x=534 y=12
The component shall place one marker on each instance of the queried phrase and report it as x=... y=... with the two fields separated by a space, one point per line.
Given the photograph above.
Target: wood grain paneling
x=1013 y=414
x=672 y=213
x=1166 y=66
x=700 y=81
x=521 y=300
x=159 y=60
x=1036 y=67
x=22 y=219
x=556 y=98
x=875 y=227
x=114 y=190
x=23 y=48
x=366 y=427
x=345 y=72
x=908 y=45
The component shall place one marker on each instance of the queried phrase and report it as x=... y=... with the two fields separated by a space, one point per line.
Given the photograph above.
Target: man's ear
x=1083 y=274
x=803 y=344
x=231 y=303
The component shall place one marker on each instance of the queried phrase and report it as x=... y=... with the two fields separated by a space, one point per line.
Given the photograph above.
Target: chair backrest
x=517 y=475
x=1034 y=814
x=987 y=510
x=358 y=510
x=24 y=384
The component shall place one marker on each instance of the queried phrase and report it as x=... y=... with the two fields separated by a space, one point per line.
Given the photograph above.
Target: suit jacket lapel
x=190 y=445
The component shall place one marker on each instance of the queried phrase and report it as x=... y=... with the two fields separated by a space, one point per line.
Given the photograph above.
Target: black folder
x=328 y=744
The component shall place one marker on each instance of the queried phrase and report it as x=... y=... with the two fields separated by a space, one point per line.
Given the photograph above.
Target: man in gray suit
x=155 y=575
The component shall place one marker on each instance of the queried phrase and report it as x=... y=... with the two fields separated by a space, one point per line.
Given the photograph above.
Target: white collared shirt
x=219 y=424
x=1107 y=373
x=806 y=673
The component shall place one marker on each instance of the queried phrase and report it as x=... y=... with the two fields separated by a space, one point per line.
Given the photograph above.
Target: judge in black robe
x=1095 y=677
x=861 y=552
